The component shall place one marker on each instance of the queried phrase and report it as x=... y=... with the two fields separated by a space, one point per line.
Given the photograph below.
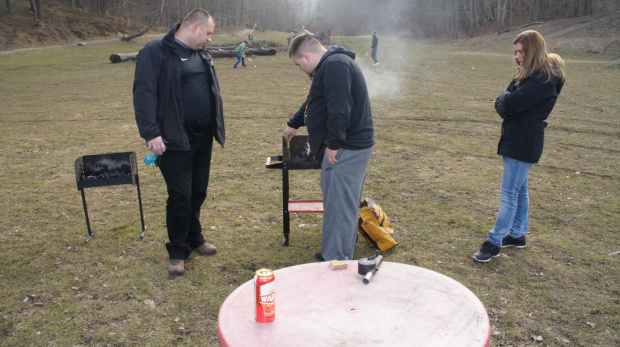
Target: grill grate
x=109 y=169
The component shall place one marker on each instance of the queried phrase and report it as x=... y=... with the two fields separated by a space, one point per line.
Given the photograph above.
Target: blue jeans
x=374 y=55
x=512 y=217
x=240 y=58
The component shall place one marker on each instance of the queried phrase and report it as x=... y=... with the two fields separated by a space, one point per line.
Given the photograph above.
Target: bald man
x=178 y=110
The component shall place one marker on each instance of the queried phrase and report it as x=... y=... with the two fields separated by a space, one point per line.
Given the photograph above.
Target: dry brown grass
x=434 y=170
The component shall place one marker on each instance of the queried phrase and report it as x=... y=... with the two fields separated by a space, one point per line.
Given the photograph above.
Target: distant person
x=250 y=37
x=341 y=135
x=240 y=53
x=375 y=44
x=178 y=112
x=524 y=106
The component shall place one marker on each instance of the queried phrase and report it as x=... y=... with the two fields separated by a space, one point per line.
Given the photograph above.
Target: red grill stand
x=294 y=157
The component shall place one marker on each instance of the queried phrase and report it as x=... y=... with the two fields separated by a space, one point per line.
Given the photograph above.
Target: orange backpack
x=374 y=225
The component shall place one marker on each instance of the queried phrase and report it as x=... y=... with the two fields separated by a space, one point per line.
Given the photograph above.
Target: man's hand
x=289 y=133
x=157 y=145
x=331 y=155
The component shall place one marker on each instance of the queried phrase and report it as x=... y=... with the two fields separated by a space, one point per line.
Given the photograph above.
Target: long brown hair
x=537 y=57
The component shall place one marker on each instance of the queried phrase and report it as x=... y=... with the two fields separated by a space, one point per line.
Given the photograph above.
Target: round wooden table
x=403 y=305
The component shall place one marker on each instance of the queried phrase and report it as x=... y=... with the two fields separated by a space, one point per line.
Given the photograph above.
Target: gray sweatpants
x=342 y=185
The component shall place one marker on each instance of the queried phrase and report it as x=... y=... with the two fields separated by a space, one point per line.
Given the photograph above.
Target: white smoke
x=385 y=79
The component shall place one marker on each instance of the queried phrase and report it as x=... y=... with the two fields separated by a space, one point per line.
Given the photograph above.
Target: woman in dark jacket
x=524 y=106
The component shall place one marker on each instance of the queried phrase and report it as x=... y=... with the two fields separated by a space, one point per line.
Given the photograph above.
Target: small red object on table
x=404 y=305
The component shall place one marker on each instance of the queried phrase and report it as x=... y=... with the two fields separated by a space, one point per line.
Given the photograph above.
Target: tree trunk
x=477 y=16
x=499 y=14
x=510 y=11
x=587 y=7
x=504 y=13
x=231 y=53
x=123 y=57
x=576 y=9
x=471 y=15
x=8 y=5
x=221 y=48
x=133 y=36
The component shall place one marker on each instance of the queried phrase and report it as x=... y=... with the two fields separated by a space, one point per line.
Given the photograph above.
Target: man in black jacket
x=341 y=134
x=178 y=110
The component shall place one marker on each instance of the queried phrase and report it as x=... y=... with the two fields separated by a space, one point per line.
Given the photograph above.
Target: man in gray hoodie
x=341 y=134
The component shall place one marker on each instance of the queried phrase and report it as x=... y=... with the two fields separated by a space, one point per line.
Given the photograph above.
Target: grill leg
x=91 y=233
x=286 y=216
x=141 y=213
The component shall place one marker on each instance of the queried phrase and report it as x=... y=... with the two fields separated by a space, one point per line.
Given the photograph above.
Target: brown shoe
x=206 y=249
x=176 y=266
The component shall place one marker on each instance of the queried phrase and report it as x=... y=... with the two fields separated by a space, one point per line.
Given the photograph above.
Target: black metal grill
x=295 y=156
x=109 y=169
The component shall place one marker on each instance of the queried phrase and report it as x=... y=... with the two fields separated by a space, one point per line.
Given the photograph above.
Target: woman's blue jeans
x=512 y=217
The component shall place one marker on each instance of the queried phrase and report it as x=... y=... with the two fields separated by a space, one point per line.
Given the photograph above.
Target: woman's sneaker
x=509 y=241
x=487 y=251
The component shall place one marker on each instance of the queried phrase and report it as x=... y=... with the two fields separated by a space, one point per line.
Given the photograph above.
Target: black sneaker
x=509 y=241
x=319 y=256
x=487 y=251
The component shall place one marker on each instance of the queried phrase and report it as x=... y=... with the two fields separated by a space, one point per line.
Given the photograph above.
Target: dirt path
x=19 y=50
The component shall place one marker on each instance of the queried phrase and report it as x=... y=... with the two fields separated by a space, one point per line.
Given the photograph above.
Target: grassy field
x=434 y=171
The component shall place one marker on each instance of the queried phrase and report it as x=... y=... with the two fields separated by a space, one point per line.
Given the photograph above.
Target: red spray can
x=264 y=296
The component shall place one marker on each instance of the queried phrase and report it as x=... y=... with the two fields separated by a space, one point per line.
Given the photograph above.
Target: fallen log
x=229 y=54
x=123 y=57
x=224 y=48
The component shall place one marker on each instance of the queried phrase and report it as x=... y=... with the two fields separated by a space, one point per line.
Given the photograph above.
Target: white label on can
x=267 y=292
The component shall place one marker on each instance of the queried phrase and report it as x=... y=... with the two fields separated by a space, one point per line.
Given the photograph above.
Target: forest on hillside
x=415 y=18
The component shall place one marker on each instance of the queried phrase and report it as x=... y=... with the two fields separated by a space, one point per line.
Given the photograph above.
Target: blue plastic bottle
x=150 y=159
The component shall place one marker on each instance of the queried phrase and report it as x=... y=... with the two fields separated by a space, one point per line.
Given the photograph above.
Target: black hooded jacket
x=338 y=114
x=524 y=109
x=157 y=98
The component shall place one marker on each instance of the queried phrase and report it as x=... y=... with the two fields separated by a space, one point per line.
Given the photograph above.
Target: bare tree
x=348 y=17
x=582 y=8
x=133 y=36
